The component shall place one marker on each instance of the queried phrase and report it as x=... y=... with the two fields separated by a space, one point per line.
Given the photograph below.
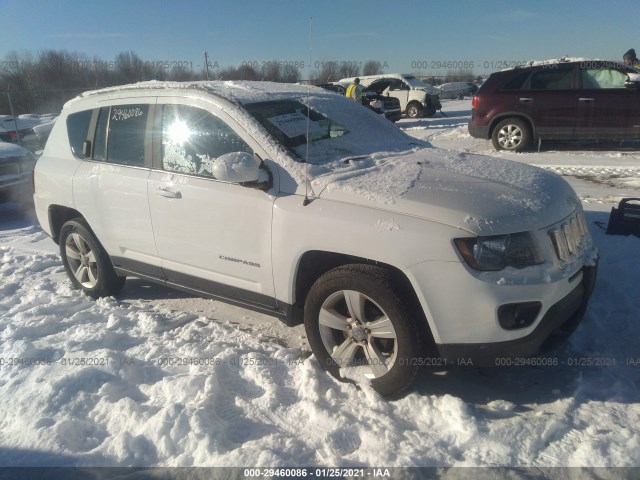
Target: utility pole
x=15 y=120
x=206 y=63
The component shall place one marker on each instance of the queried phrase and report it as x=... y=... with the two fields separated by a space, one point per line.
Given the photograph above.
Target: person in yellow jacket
x=630 y=58
x=354 y=91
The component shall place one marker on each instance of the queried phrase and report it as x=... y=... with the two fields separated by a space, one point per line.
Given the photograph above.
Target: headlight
x=493 y=253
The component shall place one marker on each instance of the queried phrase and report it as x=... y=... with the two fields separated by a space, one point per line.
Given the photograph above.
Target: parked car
x=16 y=173
x=333 y=87
x=24 y=134
x=381 y=104
x=392 y=253
x=457 y=90
x=416 y=98
x=559 y=100
x=42 y=132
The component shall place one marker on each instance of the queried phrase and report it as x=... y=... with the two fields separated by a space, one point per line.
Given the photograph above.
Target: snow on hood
x=476 y=193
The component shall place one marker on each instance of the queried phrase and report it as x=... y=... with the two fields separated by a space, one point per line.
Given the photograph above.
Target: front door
x=211 y=235
x=606 y=108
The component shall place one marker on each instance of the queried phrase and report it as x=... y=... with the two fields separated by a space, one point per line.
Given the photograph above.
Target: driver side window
x=192 y=140
x=603 y=78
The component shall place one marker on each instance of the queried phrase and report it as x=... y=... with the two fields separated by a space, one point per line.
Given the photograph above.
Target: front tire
x=86 y=262
x=512 y=135
x=353 y=318
x=414 y=110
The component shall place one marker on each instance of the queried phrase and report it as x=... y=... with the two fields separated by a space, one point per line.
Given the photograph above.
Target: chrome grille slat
x=567 y=238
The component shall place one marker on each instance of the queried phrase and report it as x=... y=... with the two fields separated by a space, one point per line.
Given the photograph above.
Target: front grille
x=570 y=238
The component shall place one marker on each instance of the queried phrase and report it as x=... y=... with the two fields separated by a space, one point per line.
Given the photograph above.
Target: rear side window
x=552 y=79
x=516 y=82
x=77 y=129
x=127 y=129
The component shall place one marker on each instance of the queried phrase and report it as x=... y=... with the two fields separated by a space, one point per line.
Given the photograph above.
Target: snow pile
x=131 y=382
x=154 y=377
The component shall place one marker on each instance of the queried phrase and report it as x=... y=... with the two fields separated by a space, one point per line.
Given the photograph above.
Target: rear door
x=550 y=98
x=110 y=187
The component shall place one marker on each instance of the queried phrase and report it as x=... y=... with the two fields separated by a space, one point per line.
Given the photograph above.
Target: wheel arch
x=419 y=106
x=519 y=115
x=58 y=216
x=313 y=264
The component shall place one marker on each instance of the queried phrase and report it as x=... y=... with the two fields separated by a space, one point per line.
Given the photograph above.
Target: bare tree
x=371 y=67
x=131 y=68
x=459 y=76
x=348 y=69
x=291 y=74
x=271 y=71
x=328 y=73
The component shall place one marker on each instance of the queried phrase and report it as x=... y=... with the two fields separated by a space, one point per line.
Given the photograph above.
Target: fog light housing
x=518 y=315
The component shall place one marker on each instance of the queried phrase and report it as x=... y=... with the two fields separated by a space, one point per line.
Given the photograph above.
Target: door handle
x=526 y=99
x=587 y=99
x=165 y=192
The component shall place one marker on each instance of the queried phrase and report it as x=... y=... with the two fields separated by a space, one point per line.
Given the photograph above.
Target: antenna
x=306 y=200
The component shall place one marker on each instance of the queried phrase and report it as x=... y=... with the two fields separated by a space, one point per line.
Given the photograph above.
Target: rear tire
x=87 y=264
x=512 y=135
x=353 y=318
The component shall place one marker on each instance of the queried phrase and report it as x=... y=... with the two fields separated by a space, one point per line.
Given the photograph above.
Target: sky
x=423 y=37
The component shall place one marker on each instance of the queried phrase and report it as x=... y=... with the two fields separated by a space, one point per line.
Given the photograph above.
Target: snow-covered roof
x=239 y=92
x=557 y=61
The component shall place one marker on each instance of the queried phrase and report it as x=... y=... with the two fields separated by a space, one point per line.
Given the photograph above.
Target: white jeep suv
x=298 y=203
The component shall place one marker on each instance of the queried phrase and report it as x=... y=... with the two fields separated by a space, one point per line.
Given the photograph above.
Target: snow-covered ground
x=157 y=377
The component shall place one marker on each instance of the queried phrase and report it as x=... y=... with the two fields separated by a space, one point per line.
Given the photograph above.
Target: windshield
x=413 y=81
x=338 y=128
x=289 y=120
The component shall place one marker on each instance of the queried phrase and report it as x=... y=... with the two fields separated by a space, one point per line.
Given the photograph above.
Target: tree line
x=43 y=82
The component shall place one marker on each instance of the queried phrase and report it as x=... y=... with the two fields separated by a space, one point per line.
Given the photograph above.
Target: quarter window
x=603 y=78
x=193 y=138
x=77 y=128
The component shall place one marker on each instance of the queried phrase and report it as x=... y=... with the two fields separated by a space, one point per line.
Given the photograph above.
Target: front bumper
x=16 y=183
x=393 y=116
x=556 y=325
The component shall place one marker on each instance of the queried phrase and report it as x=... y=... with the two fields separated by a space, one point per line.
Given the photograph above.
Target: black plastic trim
x=208 y=289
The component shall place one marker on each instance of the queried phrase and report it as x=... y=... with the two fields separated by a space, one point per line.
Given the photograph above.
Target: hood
x=430 y=89
x=479 y=194
x=10 y=151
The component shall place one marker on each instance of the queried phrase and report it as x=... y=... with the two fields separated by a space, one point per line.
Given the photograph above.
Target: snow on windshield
x=338 y=128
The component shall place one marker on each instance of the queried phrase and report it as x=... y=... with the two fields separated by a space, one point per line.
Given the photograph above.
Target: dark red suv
x=560 y=100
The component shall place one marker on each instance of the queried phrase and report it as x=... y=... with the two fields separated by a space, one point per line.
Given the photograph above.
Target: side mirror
x=633 y=83
x=236 y=167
